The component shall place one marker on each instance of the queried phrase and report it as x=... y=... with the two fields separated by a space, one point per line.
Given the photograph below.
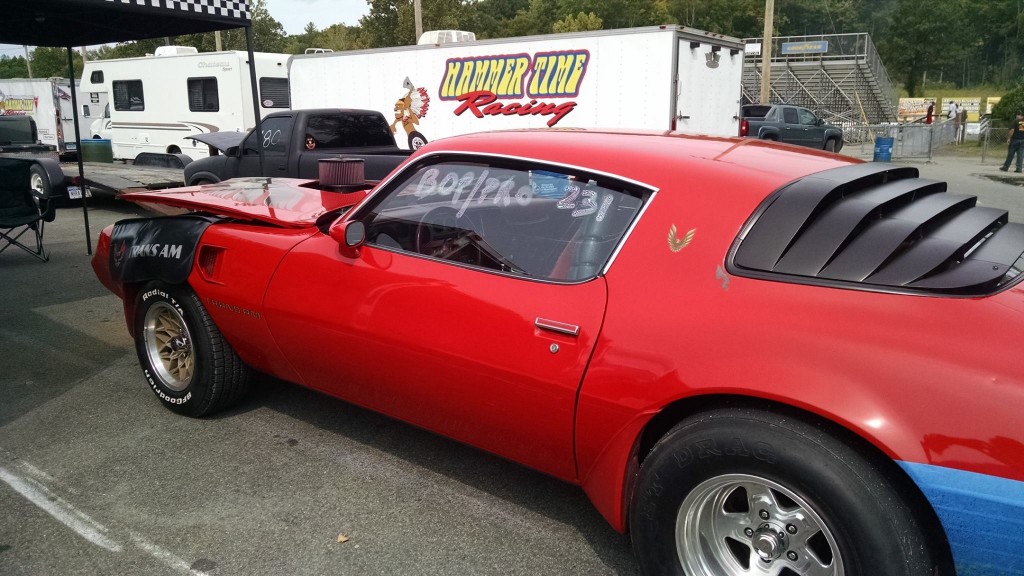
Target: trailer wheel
x=416 y=140
x=40 y=181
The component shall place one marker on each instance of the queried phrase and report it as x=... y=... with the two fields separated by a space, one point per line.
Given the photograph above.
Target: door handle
x=556 y=326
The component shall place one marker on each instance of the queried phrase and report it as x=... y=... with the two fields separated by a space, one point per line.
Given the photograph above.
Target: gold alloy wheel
x=168 y=346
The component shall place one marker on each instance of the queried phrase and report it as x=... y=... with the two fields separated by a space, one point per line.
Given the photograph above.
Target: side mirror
x=820 y=122
x=350 y=236
x=233 y=151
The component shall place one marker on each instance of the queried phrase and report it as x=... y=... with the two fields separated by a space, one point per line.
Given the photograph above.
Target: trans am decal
x=155 y=248
x=482 y=83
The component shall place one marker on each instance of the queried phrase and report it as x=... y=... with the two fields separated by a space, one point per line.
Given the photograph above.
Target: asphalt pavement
x=97 y=478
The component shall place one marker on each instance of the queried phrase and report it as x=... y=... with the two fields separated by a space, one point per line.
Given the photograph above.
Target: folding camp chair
x=22 y=209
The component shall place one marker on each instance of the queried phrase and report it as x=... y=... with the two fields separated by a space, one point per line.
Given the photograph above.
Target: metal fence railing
x=910 y=140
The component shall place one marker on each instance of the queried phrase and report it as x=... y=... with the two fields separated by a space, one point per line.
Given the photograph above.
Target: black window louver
x=879 y=227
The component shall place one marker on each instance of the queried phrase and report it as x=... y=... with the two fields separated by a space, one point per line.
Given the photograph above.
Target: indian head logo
x=119 y=253
x=482 y=83
x=409 y=109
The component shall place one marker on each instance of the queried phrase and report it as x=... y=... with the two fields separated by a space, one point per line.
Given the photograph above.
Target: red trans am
x=754 y=359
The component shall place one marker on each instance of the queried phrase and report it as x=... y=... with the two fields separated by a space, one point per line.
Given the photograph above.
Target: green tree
x=13 y=67
x=1011 y=103
x=923 y=39
x=579 y=23
x=392 y=22
x=47 y=62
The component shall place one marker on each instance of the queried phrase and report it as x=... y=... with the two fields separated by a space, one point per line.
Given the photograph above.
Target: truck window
x=273 y=139
x=128 y=95
x=202 y=95
x=96 y=77
x=349 y=130
x=807 y=117
x=274 y=93
x=789 y=116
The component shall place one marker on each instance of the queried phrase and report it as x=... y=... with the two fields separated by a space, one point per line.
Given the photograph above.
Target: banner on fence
x=972 y=105
x=911 y=109
x=991 y=102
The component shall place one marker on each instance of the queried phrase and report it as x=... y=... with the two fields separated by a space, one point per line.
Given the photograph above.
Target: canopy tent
x=70 y=23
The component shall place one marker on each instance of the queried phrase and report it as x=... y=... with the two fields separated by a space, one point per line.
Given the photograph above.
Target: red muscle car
x=755 y=359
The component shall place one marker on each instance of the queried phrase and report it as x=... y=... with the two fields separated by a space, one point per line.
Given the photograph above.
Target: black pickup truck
x=790 y=124
x=293 y=143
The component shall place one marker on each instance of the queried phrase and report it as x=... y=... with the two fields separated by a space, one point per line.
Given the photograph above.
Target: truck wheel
x=39 y=180
x=174 y=150
x=771 y=137
x=185 y=359
x=830 y=145
x=736 y=491
x=416 y=140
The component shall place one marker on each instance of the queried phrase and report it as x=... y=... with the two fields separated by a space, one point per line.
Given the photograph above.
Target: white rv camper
x=48 y=102
x=658 y=77
x=157 y=101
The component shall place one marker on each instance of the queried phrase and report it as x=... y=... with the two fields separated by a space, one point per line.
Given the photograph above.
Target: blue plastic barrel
x=883 y=149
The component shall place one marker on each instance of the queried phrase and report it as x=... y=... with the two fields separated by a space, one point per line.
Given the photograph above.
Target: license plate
x=75 y=192
x=71 y=146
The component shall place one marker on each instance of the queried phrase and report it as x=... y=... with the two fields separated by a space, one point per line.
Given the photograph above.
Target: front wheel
x=741 y=492
x=830 y=145
x=187 y=362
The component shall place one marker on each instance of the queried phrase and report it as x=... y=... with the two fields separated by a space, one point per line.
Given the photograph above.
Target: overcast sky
x=292 y=14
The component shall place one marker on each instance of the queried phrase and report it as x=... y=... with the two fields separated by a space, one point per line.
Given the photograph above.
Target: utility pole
x=216 y=40
x=85 y=54
x=28 y=61
x=766 y=51
x=417 y=11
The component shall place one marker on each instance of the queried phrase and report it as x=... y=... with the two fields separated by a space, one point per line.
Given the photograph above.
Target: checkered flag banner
x=237 y=9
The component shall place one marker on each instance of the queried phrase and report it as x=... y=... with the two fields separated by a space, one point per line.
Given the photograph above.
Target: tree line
x=957 y=43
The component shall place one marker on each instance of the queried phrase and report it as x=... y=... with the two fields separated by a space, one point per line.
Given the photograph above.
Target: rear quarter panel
x=926 y=380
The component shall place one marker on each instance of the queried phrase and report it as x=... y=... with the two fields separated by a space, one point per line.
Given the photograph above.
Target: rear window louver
x=879 y=227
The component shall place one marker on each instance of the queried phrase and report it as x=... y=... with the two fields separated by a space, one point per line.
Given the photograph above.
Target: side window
x=96 y=77
x=807 y=117
x=273 y=139
x=348 y=130
x=274 y=93
x=128 y=95
x=514 y=217
x=202 y=95
x=789 y=116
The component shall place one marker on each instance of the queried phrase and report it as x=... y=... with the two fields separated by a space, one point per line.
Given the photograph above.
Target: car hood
x=222 y=141
x=287 y=202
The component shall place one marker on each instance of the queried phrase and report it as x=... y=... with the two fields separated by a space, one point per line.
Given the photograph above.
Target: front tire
x=187 y=362
x=830 y=145
x=738 y=492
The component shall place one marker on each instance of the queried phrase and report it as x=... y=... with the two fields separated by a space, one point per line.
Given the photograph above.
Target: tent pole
x=255 y=93
x=78 y=149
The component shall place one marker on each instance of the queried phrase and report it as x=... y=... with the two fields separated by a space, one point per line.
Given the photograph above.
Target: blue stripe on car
x=983 y=517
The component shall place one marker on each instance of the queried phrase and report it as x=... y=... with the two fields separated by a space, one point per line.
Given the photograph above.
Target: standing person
x=953 y=111
x=931 y=112
x=1016 y=135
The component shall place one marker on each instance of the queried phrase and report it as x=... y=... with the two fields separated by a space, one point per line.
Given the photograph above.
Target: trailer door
x=708 y=88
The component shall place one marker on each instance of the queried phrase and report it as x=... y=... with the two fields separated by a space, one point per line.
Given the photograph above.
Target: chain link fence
x=995 y=139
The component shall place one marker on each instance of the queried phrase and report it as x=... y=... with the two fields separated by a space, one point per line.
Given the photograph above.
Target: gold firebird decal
x=676 y=244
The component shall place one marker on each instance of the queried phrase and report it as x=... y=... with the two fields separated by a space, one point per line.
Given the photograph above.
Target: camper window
x=274 y=93
x=96 y=77
x=128 y=95
x=202 y=95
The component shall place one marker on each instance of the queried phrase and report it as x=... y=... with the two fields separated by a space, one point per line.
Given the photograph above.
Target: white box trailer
x=157 y=101
x=659 y=77
x=48 y=102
